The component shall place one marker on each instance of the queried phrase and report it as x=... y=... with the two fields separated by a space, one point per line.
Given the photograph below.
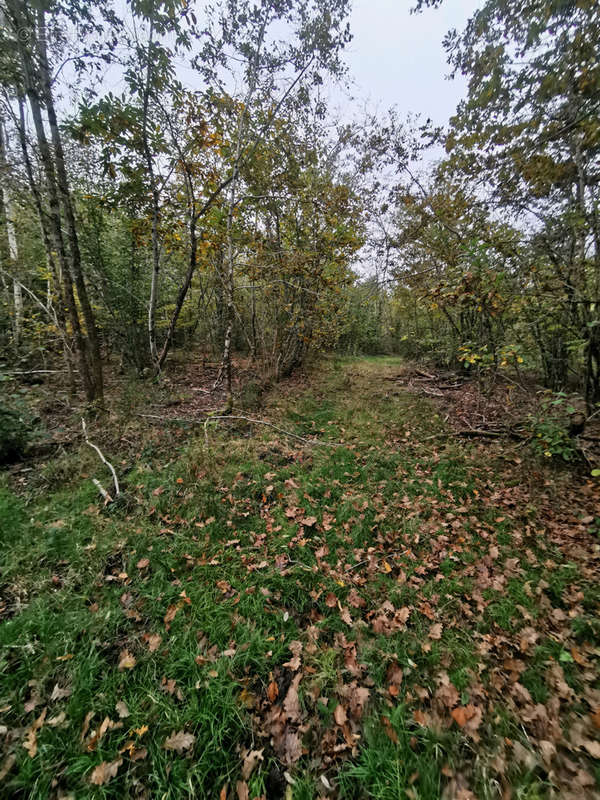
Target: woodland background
x=239 y=216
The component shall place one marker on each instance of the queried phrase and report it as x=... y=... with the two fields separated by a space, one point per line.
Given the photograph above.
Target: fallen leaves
x=30 y=743
x=250 y=761
x=435 y=632
x=468 y=718
x=179 y=741
x=126 y=660
x=389 y=620
x=105 y=771
x=122 y=709
x=153 y=641
x=107 y=724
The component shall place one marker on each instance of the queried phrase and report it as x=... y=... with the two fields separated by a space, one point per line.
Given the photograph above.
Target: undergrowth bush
x=15 y=433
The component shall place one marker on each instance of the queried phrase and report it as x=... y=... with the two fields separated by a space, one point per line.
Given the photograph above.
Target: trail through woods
x=400 y=616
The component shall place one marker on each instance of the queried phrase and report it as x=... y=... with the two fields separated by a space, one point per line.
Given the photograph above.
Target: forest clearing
x=300 y=399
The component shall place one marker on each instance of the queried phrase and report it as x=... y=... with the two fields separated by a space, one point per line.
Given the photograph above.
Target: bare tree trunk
x=54 y=226
x=71 y=226
x=155 y=210
x=12 y=253
x=55 y=272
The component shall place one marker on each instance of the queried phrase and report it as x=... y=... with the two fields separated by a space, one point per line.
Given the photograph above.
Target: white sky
x=397 y=58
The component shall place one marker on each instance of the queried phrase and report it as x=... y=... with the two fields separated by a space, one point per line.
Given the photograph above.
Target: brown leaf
x=291 y=704
x=345 y=616
x=59 y=694
x=250 y=761
x=170 y=615
x=435 y=632
x=30 y=743
x=467 y=717
x=355 y=599
x=121 y=709
x=7 y=765
x=294 y=663
x=339 y=715
x=242 y=790
x=143 y=563
x=394 y=674
x=292 y=746
x=153 y=641
x=86 y=725
x=331 y=600
x=105 y=771
x=420 y=717
x=272 y=691
x=179 y=741
x=308 y=521
x=593 y=747
x=106 y=725
x=126 y=660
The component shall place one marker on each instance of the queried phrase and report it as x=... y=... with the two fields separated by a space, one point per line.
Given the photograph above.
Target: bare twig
x=107 y=498
x=104 y=461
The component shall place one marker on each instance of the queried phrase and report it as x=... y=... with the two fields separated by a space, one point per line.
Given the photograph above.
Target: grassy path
x=398 y=616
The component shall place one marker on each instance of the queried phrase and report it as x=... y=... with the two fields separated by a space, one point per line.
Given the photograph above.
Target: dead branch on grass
x=219 y=417
x=95 y=447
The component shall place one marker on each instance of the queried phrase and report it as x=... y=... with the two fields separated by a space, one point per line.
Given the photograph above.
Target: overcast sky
x=397 y=58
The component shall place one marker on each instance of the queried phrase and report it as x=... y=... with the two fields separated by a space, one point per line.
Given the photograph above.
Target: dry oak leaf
x=339 y=715
x=291 y=704
x=345 y=616
x=355 y=599
x=292 y=747
x=30 y=743
x=592 y=747
x=179 y=741
x=435 y=632
x=105 y=771
x=106 y=725
x=294 y=663
x=86 y=725
x=58 y=719
x=143 y=563
x=59 y=694
x=153 y=641
x=251 y=759
x=242 y=790
x=467 y=717
x=121 y=709
x=308 y=521
x=7 y=765
x=126 y=660
x=420 y=717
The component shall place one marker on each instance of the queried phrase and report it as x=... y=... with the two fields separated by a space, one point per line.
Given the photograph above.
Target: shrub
x=15 y=434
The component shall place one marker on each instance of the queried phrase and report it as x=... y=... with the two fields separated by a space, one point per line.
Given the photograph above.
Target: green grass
x=220 y=526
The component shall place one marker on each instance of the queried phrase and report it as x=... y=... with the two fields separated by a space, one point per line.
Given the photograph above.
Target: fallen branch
x=95 y=447
x=217 y=417
x=473 y=433
x=107 y=498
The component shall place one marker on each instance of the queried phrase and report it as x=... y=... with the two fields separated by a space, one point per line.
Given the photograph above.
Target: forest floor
x=377 y=609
